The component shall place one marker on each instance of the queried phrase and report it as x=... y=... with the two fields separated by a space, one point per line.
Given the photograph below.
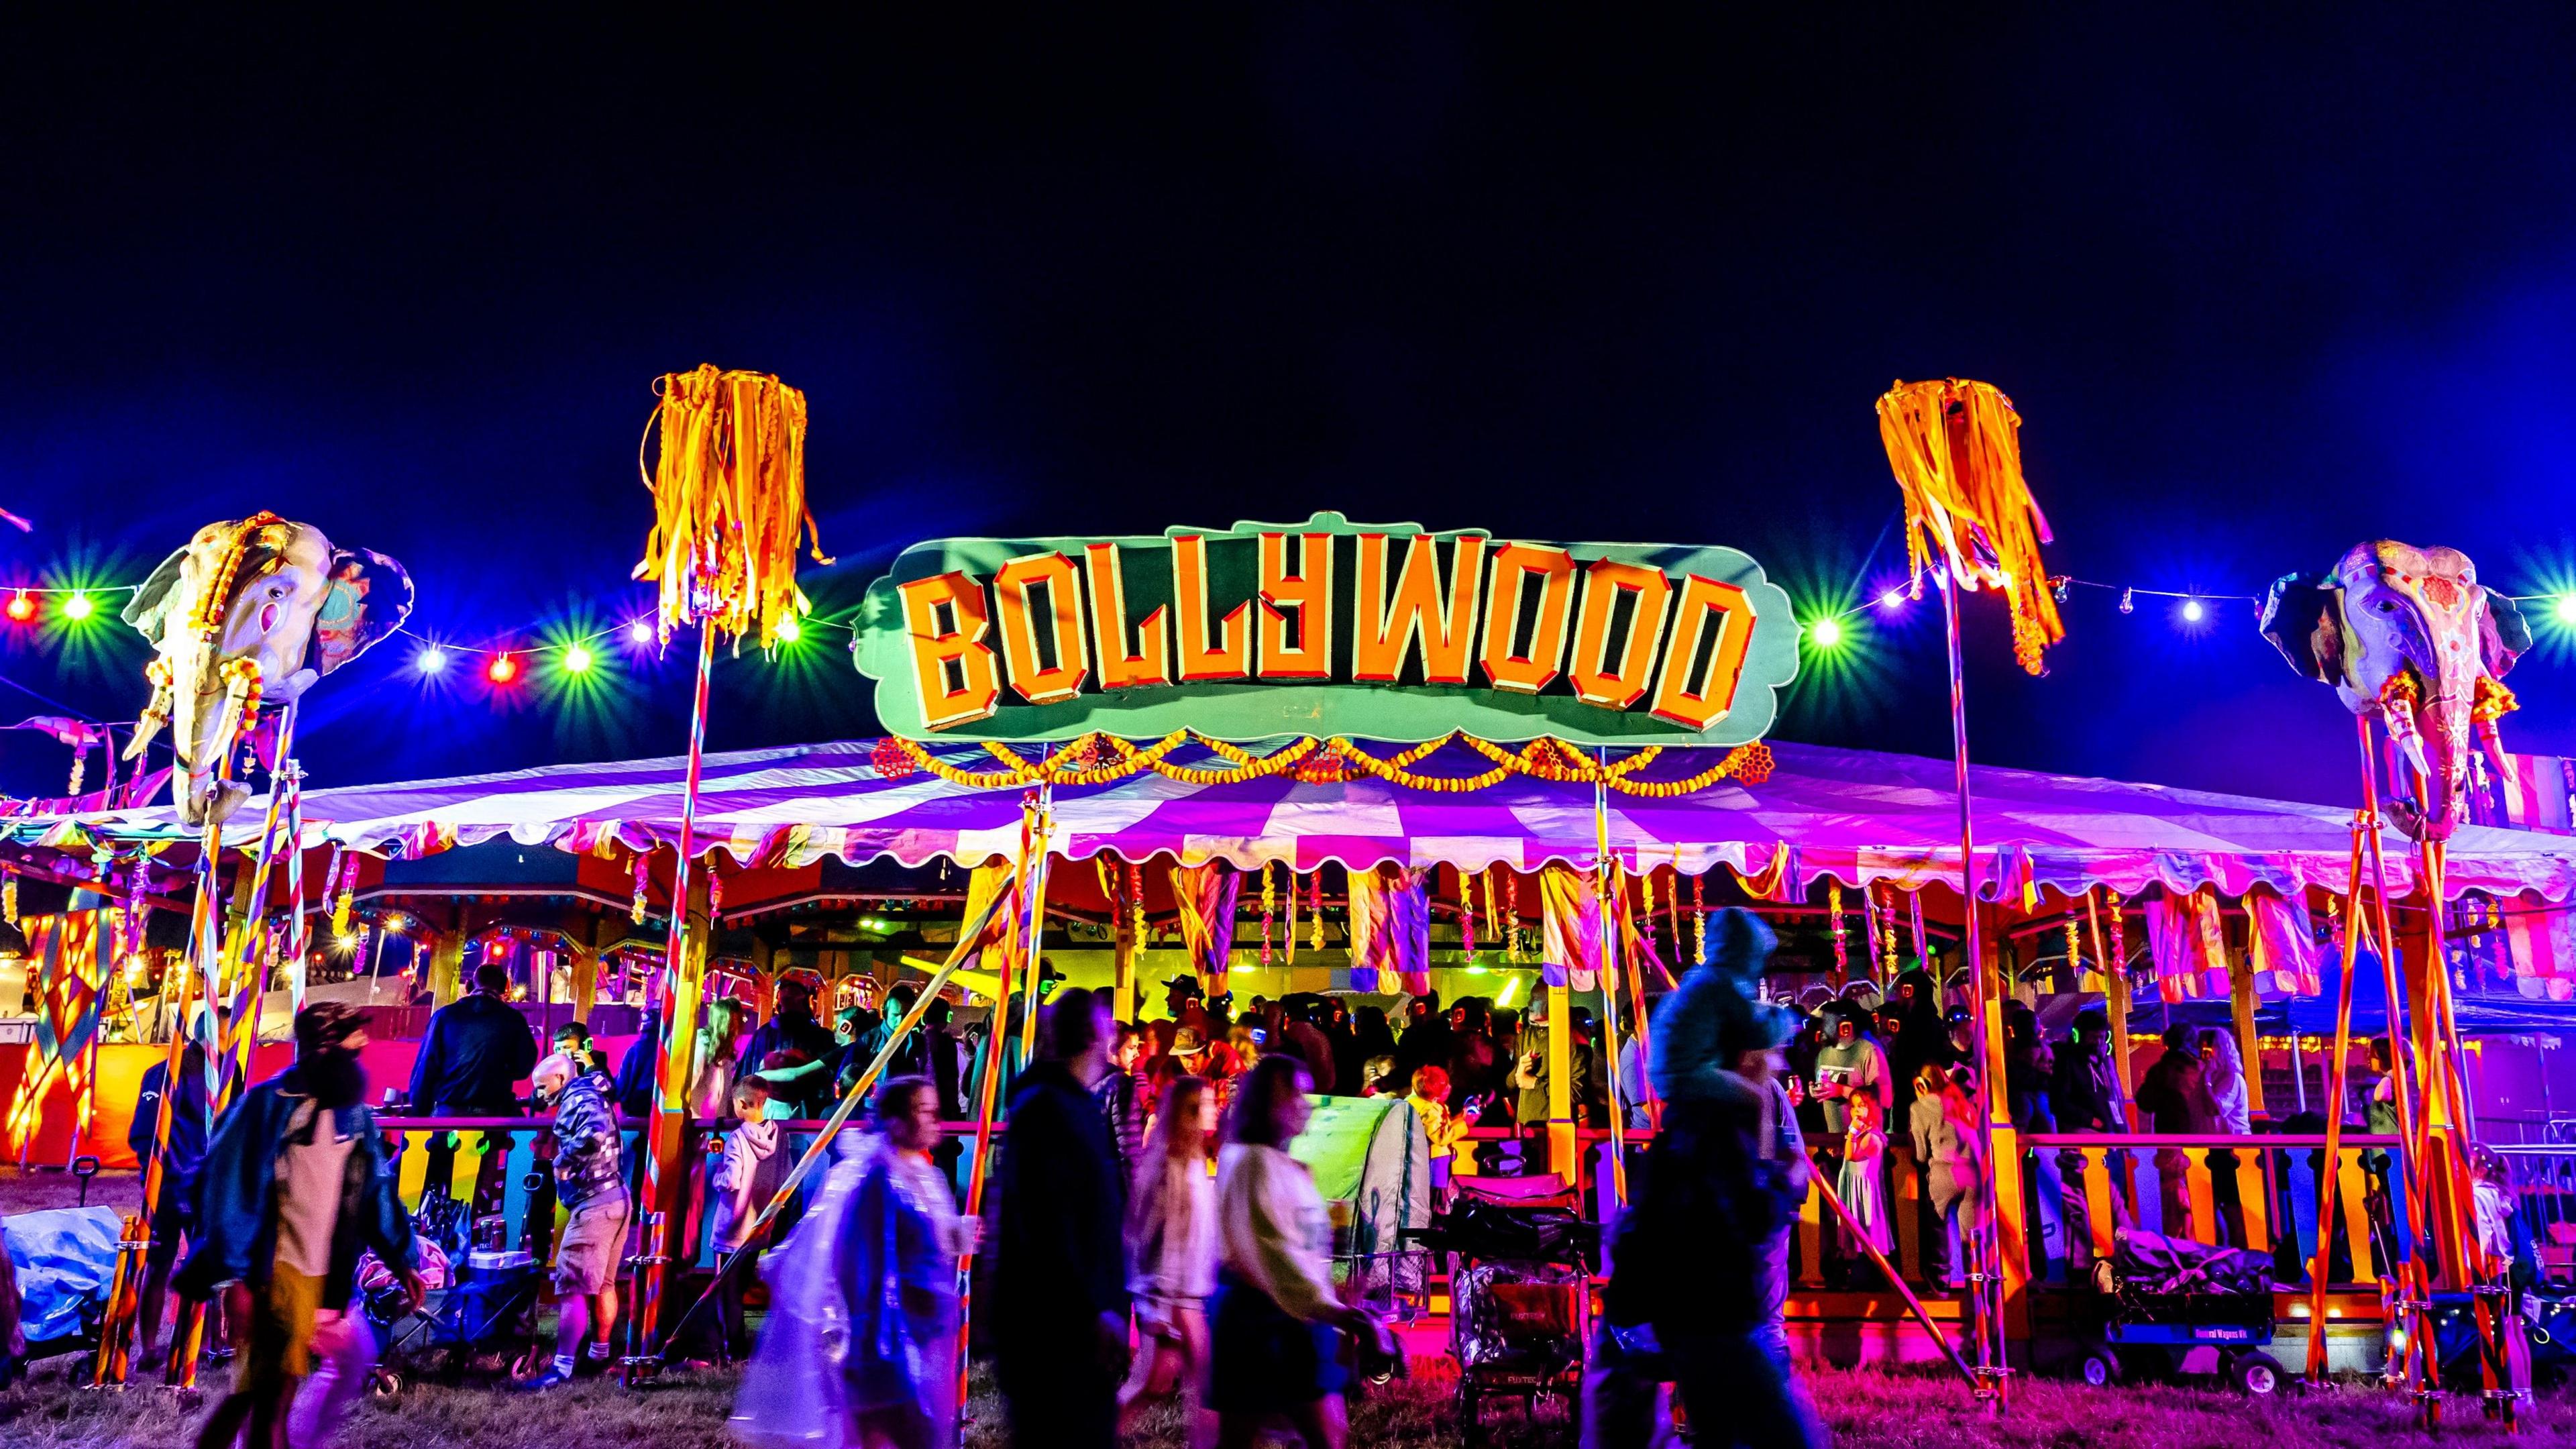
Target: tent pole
x=2355 y=927
x=1988 y=1294
x=1015 y=963
x=668 y=1131
x=1604 y=901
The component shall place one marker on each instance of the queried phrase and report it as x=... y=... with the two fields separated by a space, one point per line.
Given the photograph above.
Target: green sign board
x=1373 y=631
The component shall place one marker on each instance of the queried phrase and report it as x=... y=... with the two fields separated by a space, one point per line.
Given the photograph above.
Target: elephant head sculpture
x=246 y=617
x=2408 y=634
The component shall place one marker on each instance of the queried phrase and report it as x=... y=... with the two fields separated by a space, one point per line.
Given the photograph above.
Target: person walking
x=590 y=1181
x=1171 y=1239
x=477 y=1051
x=173 y=1213
x=896 y=1262
x=1060 y=1276
x=1689 y=1255
x=295 y=1188
x=1275 y=1324
x=1952 y=1153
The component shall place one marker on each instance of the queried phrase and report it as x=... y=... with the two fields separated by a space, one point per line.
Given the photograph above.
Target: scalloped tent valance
x=1853 y=815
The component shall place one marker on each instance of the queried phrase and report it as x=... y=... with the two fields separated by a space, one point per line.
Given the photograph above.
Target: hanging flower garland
x=1292 y=917
x=1269 y=905
x=1673 y=904
x=1315 y=914
x=1699 y=920
x=1512 y=914
x=1467 y=915
x=643 y=881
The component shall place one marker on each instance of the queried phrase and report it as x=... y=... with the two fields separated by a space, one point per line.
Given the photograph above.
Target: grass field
x=686 y=1411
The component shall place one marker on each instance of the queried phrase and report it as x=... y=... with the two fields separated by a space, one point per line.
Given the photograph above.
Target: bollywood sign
x=1325 y=628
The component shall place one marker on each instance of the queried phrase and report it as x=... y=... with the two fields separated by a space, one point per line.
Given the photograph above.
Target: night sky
x=2261 y=289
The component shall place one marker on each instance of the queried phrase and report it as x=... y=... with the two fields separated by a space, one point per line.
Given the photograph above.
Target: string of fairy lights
x=505 y=659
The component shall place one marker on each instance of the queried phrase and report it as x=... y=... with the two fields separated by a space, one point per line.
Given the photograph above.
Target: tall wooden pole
x=1605 y=902
x=667 y=1134
x=1986 y=1283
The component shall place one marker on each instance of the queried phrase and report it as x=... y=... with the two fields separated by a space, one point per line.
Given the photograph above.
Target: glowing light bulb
x=1892 y=599
x=2566 y=609
x=2192 y=612
x=21 y=607
x=639 y=632
x=347 y=943
x=2128 y=601
x=1827 y=633
x=432 y=660
x=502 y=669
x=78 y=607
x=790 y=631
x=576 y=660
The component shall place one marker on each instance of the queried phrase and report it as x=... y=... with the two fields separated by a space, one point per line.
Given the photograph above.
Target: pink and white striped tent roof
x=1852 y=814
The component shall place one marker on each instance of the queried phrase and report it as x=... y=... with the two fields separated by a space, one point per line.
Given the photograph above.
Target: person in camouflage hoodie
x=590 y=1181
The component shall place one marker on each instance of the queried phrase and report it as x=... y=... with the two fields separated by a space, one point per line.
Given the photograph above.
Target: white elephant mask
x=246 y=617
x=2410 y=635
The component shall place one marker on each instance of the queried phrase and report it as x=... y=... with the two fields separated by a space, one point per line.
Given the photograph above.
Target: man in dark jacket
x=2175 y=1097
x=172 y=1213
x=1060 y=1255
x=478 y=1049
x=792 y=1028
x=295 y=1189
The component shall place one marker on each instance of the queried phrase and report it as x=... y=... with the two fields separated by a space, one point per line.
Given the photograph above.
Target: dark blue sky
x=2261 y=287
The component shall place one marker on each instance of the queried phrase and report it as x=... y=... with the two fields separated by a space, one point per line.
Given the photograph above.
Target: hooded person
x=1697 y=1257
x=294 y=1190
x=1716 y=1002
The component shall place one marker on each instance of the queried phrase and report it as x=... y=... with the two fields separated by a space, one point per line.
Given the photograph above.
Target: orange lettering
x=1118 y=668
x=1596 y=679
x=1309 y=592
x=1387 y=627
x=936 y=650
x=1515 y=564
x=1200 y=663
x=1036 y=683
x=1675 y=699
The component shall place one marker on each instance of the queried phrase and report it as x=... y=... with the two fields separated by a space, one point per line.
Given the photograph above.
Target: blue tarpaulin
x=64 y=1258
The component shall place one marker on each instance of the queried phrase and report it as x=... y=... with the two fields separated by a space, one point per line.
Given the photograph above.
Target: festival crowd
x=1147 y=1233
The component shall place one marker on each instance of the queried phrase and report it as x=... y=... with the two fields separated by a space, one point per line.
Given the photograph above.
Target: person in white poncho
x=1276 y=1324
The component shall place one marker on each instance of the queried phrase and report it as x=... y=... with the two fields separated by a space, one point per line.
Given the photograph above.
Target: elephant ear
x=149 y=605
x=2302 y=618
x=2507 y=636
x=367 y=596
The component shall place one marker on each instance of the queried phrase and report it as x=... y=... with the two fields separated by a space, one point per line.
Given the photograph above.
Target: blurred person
x=711 y=1057
x=2231 y=1112
x=896 y=1260
x=1115 y=1092
x=1951 y=1152
x=294 y=1189
x=2175 y=1097
x=590 y=1182
x=1342 y=1034
x=1691 y=1255
x=172 y=1214
x=1061 y=1257
x=2086 y=1099
x=1275 y=1321
x=1378 y=1076
x=1312 y=1047
x=1171 y=1242
x=2028 y=1070
x=1375 y=1037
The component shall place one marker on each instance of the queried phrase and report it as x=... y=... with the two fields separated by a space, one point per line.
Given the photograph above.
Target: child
x=748 y=1173
x=1862 y=1183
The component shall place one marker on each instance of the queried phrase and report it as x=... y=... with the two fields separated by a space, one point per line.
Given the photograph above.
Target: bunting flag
x=1390 y=930
x=2189 y=943
x=1205 y=895
x=1570 y=930
x=2543 y=945
x=63 y=952
x=2282 y=941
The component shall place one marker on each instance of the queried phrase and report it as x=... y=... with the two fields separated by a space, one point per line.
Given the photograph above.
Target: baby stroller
x=2164 y=1307
x=1520 y=1301
x=486 y=1308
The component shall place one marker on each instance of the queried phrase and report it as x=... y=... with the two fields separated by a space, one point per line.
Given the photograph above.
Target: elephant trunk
x=2431 y=731
x=208 y=707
